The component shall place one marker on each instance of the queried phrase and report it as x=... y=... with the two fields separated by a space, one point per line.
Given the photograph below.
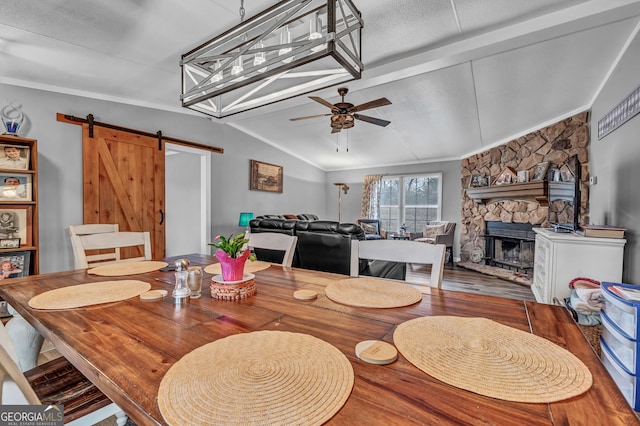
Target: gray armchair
x=372 y=229
x=439 y=233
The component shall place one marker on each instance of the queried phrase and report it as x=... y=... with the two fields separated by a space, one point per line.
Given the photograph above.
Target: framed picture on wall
x=14 y=264
x=15 y=186
x=15 y=222
x=265 y=177
x=14 y=157
x=540 y=172
x=507 y=175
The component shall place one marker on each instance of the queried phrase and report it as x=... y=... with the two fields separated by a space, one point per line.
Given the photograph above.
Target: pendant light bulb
x=315 y=31
x=285 y=39
x=217 y=76
x=260 y=57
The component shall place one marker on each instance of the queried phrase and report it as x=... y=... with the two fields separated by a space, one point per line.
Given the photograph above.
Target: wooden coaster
x=305 y=294
x=376 y=352
x=153 y=294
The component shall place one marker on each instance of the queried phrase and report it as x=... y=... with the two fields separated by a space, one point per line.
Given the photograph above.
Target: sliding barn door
x=123 y=182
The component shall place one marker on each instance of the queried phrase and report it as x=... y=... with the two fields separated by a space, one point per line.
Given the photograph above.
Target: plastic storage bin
x=625 y=350
x=622 y=313
x=627 y=382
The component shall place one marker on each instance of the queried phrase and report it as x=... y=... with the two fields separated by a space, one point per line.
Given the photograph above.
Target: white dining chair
x=400 y=251
x=275 y=241
x=103 y=248
x=83 y=403
x=89 y=229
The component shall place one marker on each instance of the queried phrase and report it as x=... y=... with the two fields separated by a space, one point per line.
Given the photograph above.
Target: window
x=410 y=200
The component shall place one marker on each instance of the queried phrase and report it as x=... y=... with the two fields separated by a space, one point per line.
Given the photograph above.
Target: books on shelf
x=602 y=231
x=626 y=292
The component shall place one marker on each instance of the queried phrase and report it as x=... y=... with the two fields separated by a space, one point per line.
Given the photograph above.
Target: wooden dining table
x=125 y=348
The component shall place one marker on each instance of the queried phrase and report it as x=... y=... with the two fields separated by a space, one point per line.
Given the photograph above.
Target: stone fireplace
x=553 y=144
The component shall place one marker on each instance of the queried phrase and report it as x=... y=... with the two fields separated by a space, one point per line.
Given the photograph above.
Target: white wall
x=60 y=165
x=351 y=203
x=615 y=161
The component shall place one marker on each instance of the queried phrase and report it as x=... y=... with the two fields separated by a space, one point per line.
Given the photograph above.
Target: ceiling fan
x=343 y=114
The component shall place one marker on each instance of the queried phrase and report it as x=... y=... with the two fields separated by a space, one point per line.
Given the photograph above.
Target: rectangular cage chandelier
x=292 y=48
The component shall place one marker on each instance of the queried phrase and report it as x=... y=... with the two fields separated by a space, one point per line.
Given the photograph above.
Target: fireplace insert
x=510 y=246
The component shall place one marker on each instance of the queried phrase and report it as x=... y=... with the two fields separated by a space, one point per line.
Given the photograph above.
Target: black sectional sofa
x=323 y=246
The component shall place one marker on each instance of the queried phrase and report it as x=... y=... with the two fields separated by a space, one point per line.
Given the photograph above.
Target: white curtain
x=371 y=197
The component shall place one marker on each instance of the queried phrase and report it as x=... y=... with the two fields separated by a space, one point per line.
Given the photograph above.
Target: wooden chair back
x=103 y=248
x=275 y=241
x=400 y=251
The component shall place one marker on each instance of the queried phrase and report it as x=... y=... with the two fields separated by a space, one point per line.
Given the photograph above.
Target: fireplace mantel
x=525 y=191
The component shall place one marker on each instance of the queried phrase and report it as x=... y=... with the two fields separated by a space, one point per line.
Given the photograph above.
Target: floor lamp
x=344 y=188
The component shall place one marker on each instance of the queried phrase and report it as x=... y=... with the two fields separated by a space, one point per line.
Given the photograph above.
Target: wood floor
x=456 y=278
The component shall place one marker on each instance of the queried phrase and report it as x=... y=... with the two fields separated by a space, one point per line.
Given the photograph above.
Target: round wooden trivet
x=305 y=294
x=153 y=294
x=376 y=352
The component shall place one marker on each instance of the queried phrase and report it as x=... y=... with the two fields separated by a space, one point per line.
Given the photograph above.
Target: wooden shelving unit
x=526 y=191
x=19 y=208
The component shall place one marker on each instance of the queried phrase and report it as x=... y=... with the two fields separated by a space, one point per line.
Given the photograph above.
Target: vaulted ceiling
x=462 y=75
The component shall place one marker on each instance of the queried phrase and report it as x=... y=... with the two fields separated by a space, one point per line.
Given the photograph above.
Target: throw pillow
x=290 y=216
x=430 y=231
x=370 y=228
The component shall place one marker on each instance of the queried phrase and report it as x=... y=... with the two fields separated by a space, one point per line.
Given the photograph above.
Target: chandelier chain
x=241 y=10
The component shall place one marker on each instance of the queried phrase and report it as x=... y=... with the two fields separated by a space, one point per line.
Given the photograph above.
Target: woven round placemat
x=77 y=296
x=262 y=377
x=491 y=359
x=249 y=267
x=127 y=268
x=372 y=293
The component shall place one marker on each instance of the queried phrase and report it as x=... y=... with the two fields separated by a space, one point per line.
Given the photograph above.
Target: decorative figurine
x=12 y=119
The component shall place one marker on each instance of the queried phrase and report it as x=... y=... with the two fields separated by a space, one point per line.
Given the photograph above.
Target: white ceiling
x=462 y=75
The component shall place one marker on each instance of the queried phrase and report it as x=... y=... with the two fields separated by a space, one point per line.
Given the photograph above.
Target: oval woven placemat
x=491 y=359
x=249 y=267
x=368 y=292
x=262 y=377
x=127 y=268
x=77 y=296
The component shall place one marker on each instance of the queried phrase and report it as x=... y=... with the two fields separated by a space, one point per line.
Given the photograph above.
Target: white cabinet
x=561 y=257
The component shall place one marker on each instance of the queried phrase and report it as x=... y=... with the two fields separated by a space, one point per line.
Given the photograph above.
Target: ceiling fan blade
x=309 y=116
x=323 y=102
x=372 y=120
x=372 y=104
x=335 y=129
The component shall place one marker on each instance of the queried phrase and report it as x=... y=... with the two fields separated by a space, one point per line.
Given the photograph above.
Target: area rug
x=491 y=359
x=262 y=377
